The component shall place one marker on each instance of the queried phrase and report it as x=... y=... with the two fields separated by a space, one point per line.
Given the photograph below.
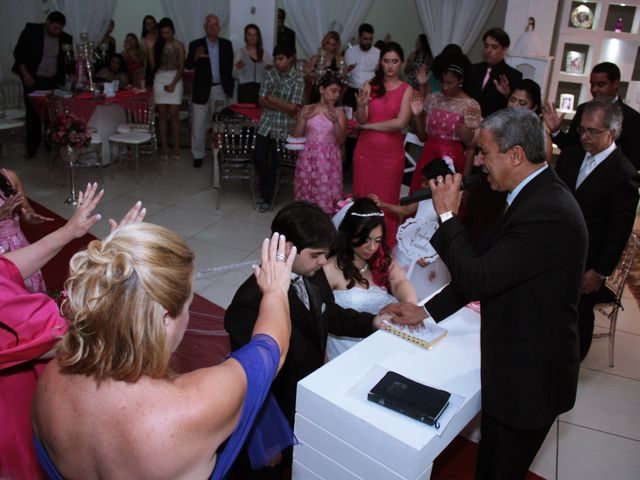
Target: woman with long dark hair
x=168 y=62
x=148 y=38
x=419 y=59
x=362 y=273
x=250 y=65
x=383 y=112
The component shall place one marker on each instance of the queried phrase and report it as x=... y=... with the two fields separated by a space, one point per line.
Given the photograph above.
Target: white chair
x=130 y=143
x=616 y=283
x=12 y=121
x=141 y=117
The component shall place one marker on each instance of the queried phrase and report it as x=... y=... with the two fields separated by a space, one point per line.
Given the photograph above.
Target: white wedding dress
x=370 y=300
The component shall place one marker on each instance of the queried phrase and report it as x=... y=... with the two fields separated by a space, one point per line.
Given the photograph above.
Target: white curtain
x=453 y=21
x=91 y=16
x=311 y=19
x=188 y=16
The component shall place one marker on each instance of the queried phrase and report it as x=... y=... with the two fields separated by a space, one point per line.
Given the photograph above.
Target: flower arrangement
x=69 y=131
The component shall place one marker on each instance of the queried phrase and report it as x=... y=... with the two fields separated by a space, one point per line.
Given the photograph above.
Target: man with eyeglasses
x=605 y=184
x=605 y=85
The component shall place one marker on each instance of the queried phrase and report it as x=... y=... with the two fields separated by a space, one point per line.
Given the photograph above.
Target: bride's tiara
x=372 y=214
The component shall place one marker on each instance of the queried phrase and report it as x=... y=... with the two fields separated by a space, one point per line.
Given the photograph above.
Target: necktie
x=486 y=78
x=588 y=164
x=301 y=290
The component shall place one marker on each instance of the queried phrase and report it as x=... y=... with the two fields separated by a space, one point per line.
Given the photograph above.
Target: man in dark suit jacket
x=489 y=82
x=527 y=278
x=605 y=83
x=605 y=184
x=40 y=63
x=212 y=87
x=307 y=227
x=285 y=36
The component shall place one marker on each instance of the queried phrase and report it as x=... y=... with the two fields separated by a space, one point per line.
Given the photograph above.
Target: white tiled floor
x=599 y=439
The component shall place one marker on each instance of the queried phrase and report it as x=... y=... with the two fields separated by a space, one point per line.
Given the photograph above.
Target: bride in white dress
x=362 y=274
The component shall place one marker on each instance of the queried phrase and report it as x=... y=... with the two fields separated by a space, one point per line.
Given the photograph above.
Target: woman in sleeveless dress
x=383 y=113
x=362 y=274
x=444 y=113
x=318 y=176
x=168 y=61
x=108 y=405
x=250 y=65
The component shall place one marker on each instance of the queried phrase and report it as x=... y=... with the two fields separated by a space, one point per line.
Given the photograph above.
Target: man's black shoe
x=197 y=162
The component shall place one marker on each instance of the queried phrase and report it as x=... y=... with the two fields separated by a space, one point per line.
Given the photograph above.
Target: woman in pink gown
x=14 y=206
x=383 y=112
x=318 y=177
x=444 y=112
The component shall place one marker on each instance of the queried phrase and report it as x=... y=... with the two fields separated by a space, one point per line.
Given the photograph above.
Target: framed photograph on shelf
x=566 y=102
x=574 y=63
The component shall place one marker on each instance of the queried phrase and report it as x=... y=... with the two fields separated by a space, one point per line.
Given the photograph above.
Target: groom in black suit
x=527 y=278
x=313 y=311
x=605 y=184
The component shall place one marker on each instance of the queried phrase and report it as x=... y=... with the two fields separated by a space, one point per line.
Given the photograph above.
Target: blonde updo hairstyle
x=119 y=291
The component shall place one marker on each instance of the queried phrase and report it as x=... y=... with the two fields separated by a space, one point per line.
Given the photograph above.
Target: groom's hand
x=405 y=313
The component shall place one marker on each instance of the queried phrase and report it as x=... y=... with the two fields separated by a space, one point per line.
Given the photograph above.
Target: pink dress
x=444 y=114
x=318 y=176
x=30 y=325
x=12 y=238
x=378 y=160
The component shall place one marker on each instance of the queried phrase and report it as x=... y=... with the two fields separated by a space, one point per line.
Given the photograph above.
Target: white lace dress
x=369 y=300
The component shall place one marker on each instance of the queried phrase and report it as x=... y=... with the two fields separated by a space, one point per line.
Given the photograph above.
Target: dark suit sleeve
x=624 y=202
x=21 y=50
x=446 y=303
x=628 y=141
x=523 y=252
x=348 y=322
x=242 y=314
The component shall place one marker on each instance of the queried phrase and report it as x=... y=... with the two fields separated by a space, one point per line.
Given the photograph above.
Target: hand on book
x=405 y=313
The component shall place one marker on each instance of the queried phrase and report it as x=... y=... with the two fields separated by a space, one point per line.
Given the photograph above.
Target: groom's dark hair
x=305 y=225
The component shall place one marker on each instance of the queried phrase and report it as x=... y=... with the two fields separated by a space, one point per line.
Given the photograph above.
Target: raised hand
x=551 y=118
x=331 y=114
x=135 y=214
x=83 y=218
x=274 y=271
x=201 y=53
x=239 y=64
x=363 y=96
x=416 y=103
x=502 y=85
x=379 y=203
x=10 y=204
x=308 y=111
x=32 y=217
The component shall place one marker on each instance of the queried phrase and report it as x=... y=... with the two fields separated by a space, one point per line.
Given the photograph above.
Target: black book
x=410 y=398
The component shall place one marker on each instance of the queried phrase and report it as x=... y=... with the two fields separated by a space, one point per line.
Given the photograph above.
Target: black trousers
x=505 y=452
x=586 y=317
x=266 y=160
x=32 y=119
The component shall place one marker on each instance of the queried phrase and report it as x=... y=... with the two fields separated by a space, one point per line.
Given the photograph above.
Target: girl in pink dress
x=13 y=207
x=383 y=112
x=445 y=112
x=318 y=177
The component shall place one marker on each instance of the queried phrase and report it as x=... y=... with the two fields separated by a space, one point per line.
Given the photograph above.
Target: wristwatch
x=443 y=217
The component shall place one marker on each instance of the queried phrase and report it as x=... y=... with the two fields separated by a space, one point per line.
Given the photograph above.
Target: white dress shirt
x=366 y=64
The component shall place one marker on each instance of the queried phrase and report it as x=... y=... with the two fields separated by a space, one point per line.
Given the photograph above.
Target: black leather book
x=410 y=398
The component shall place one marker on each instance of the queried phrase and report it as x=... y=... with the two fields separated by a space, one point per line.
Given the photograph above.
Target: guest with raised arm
x=439 y=117
x=250 y=65
x=383 y=112
x=128 y=305
x=30 y=327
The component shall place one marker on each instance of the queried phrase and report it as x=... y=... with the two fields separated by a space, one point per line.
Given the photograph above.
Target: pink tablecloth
x=83 y=105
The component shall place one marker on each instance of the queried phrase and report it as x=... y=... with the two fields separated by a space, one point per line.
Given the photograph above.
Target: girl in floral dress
x=318 y=176
x=13 y=207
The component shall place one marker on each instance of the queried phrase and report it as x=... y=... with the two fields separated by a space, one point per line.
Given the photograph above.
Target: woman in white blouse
x=250 y=64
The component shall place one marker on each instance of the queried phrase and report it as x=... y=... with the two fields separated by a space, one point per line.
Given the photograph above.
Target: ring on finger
x=281 y=257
